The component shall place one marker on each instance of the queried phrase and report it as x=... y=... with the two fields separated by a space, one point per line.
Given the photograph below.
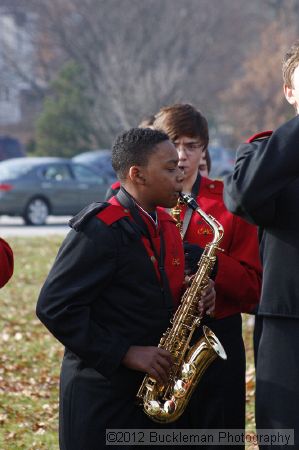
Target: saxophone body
x=166 y=403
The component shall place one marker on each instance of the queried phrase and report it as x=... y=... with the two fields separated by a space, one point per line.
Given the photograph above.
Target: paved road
x=13 y=226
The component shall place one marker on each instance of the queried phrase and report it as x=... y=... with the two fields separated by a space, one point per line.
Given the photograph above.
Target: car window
x=54 y=172
x=9 y=171
x=84 y=174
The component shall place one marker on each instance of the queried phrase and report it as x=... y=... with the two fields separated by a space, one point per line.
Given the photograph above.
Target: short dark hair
x=182 y=120
x=289 y=64
x=133 y=148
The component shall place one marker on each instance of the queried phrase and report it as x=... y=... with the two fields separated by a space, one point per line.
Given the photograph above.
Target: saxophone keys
x=197 y=321
x=169 y=407
x=180 y=388
x=152 y=407
x=188 y=371
x=158 y=411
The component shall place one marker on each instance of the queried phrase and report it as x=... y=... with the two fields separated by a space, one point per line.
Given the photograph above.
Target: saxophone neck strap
x=196 y=186
x=189 y=211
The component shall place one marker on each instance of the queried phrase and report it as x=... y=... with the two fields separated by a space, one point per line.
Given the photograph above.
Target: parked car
x=101 y=159
x=10 y=148
x=36 y=187
x=222 y=161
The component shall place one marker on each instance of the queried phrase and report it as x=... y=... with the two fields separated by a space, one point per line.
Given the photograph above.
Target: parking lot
x=14 y=226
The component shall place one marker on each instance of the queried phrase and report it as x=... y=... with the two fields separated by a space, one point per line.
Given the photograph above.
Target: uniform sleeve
x=239 y=270
x=6 y=262
x=84 y=267
x=262 y=170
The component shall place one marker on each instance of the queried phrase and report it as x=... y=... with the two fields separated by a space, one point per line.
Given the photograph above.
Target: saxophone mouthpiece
x=183 y=196
x=189 y=201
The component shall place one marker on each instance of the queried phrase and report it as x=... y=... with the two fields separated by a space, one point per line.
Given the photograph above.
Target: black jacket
x=102 y=295
x=264 y=189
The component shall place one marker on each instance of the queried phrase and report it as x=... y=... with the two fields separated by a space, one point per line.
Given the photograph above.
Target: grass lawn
x=30 y=357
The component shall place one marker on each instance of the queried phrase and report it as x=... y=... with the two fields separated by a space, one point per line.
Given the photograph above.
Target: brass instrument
x=175 y=212
x=166 y=403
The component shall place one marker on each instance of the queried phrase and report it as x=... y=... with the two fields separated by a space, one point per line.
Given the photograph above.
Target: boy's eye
x=188 y=146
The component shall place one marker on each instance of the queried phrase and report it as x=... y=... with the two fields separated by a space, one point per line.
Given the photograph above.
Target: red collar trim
x=259 y=136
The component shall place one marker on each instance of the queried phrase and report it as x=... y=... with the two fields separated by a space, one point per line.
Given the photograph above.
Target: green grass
x=30 y=357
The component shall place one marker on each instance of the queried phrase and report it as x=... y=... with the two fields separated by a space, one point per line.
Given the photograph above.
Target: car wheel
x=36 y=212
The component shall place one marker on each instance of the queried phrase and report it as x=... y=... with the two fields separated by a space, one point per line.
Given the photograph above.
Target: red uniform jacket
x=6 y=262
x=238 y=280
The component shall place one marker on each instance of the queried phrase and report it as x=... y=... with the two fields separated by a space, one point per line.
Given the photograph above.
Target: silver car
x=36 y=187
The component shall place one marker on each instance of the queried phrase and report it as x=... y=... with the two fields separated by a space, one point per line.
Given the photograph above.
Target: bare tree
x=138 y=55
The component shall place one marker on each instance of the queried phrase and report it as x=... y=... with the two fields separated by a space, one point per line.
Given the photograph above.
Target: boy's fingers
x=166 y=355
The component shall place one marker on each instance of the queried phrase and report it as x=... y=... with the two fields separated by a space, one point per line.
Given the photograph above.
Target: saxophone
x=175 y=212
x=166 y=403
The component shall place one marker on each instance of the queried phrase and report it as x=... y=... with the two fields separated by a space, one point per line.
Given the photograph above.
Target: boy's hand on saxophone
x=155 y=361
x=207 y=299
x=193 y=253
x=206 y=303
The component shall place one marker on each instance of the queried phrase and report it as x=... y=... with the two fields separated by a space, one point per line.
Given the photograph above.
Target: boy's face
x=163 y=180
x=190 y=152
x=292 y=93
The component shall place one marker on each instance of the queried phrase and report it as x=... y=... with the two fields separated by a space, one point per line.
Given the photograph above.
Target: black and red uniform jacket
x=6 y=262
x=104 y=292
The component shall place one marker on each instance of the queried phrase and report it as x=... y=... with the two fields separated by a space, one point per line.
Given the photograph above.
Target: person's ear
x=288 y=92
x=136 y=175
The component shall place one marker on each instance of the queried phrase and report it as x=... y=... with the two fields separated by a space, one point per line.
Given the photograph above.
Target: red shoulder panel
x=112 y=214
x=259 y=136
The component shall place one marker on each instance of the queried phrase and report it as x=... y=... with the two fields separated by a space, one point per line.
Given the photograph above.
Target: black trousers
x=277 y=378
x=219 y=400
x=257 y=332
x=90 y=404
